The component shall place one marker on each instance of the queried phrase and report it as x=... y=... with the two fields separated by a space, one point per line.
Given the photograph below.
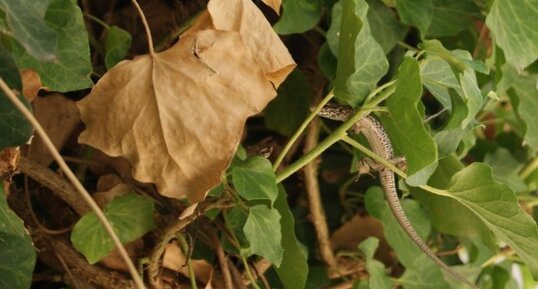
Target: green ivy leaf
x=404 y=123
x=386 y=28
x=25 y=21
x=497 y=207
x=294 y=268
x=298 y=16
x=438 y=78
x=117 y=44
x=525 y=88
x=361 y=60
x=288 y=110
x=457 y=59
x=131 y=216
x=17 y=255
x=72 y=68
x=450 y=216
x=263 y=231
x=404 y=247
x=513 y=24
x=376 y=270
x=254 y=179
x=16 y=130
x=447 y=140
x=506 y=168
x=418 y=265
x=438 y=17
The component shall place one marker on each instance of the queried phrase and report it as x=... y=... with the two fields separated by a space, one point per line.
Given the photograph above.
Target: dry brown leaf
x=178 y=116
x=9 y=158
x=114 y=259
x=356 y=230
x=112 y=187
x=31 y=83
x=59 y=117
x=175 y=260
x=244 y=17
x=275 y=4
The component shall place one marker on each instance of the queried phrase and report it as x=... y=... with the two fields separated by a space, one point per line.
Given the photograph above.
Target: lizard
x=381 y=145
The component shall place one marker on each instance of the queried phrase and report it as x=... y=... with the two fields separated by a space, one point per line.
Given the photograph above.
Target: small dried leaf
x=177 y=116
x=31 y=83
x=275 y=4
x=9 y=158
x=59 y=117
x=175 y=260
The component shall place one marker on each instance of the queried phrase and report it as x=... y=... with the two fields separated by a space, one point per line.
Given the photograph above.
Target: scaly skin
x=381 y=145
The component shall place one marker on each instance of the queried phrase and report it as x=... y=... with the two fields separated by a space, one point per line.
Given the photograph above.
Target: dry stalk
x=73 y=179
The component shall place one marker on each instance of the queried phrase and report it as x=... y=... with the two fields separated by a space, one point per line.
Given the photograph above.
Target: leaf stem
x=96 y=20
x=391 y=166
x=249 y=274
x=337 y=135
x=146 y=27
x=185 y=249
x=529 y=169
x=73 y=179
x=301 y=129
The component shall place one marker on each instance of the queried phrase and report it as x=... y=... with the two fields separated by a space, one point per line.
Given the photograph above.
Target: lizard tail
x=394 y=204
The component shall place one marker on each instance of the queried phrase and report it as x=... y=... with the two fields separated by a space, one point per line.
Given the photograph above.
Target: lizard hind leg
x=366 y=164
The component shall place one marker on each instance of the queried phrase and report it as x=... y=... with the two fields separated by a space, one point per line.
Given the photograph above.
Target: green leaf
x=15 y=129
x=117 y=44
x=327 y=62
x=506 y=168
x=264 y=234
x=17 y=255
x=404 y=124
x=361 y=60
x=254 y=179
x=438 y=17
x=450 y=216
x=294 y=268
x=422 y=274
x=438 y=78
x=131 y=216
x=458 y=60
x=288 y=110
x=498 y=208
x=298 y=16
x=418 y=265
x=447 y=140
x=25 y=19
x=386 y=28
x=513 y=23
x=405 y=249
x=71 y=70
x=17 y=261
x=377 y=278
x=525 y=88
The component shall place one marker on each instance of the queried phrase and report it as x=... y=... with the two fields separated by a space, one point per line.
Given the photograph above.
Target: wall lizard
x=380 y=144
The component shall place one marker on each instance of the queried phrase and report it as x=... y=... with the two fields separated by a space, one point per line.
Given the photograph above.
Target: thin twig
x=146 y=27
x=71 y=176
x=56 y=183
x=34 y=217
x=223 y=263
x=170 y=233
x=317 y=213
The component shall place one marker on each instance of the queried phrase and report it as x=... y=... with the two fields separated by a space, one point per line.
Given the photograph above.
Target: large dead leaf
x=177 y=116
x=243 y=16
